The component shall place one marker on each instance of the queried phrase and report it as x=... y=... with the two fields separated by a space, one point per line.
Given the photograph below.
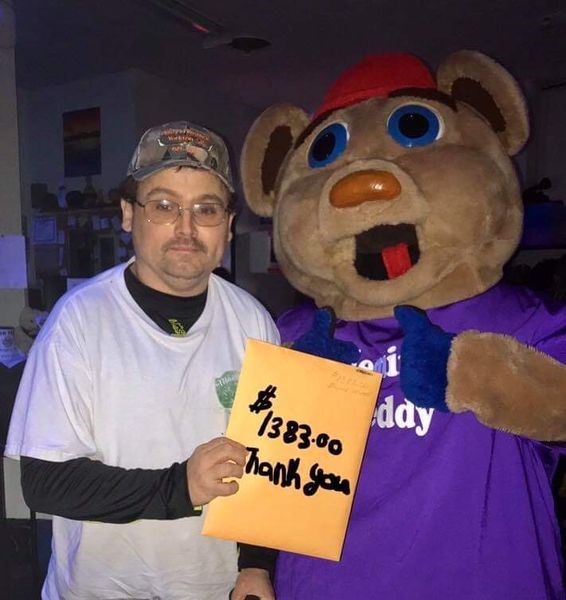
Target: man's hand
x=209 y=464
x=253 y=583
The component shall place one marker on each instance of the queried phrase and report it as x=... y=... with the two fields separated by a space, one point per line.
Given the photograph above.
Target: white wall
x=130 y=102
x=41 y=130
x=159 y=100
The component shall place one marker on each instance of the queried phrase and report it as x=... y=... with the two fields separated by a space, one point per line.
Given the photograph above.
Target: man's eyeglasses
x=166 y=212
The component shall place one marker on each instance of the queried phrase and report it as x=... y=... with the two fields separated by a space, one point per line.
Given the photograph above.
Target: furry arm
x=511 y=386
x=508 y=386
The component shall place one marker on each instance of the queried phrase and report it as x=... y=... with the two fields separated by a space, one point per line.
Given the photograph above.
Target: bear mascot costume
x=396 y=206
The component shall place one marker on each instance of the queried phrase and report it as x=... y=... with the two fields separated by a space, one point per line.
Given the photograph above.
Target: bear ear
x=484 y=85
x=267 y=144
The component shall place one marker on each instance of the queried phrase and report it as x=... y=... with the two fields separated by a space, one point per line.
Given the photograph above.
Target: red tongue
x=396 y=260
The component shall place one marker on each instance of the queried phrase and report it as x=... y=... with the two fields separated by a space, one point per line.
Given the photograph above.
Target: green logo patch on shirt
x=226 y=388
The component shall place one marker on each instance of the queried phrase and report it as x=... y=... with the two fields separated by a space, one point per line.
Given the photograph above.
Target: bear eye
x=328 y=145
x=414 y=125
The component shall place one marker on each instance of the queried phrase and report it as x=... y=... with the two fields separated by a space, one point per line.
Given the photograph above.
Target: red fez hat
x=377 y=75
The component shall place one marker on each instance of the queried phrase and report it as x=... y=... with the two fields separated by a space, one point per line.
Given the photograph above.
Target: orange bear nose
x=364 y=186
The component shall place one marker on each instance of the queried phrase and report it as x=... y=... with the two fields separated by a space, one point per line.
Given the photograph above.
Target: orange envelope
x=305 y=422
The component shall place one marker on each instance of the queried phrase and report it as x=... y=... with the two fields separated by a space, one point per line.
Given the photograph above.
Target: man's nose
x=185 y=221
x=364 y=186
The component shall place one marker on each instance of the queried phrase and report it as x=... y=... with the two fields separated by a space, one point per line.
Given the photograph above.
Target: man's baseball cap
x=178 y=144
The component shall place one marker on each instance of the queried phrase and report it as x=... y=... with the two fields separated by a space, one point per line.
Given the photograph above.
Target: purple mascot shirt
x=446 y=508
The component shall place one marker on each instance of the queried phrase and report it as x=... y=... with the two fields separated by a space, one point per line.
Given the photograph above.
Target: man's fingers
x=220 y=450
x=228 y=469
x=226 y=488
x=221 y=442
x=220 y=472
x=210 y=464
x=224 y=454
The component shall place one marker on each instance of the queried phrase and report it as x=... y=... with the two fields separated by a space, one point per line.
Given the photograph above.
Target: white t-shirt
x=104 y=381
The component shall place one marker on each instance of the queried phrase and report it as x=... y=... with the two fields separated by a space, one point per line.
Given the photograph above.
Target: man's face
x=178 y=258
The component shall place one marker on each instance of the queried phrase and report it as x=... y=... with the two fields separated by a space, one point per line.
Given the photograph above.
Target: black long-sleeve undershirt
x=85 y=489
x=88 y=490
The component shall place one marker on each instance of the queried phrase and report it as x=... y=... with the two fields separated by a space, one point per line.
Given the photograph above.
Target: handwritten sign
x=304 y=421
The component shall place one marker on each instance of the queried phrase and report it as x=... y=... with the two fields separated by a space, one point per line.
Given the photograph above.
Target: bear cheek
x=298 y=237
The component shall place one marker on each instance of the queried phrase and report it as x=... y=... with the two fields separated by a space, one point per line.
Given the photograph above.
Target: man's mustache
x=192 y=243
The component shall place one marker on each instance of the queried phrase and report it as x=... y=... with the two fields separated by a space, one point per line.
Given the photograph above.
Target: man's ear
x=268 y=143
x=484 y=85
x=127 y=215
x=230 y=221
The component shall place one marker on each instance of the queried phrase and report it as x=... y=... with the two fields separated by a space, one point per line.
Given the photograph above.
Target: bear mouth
x=386 y=251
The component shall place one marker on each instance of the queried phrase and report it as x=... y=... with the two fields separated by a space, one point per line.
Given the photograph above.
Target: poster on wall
x=81 y=142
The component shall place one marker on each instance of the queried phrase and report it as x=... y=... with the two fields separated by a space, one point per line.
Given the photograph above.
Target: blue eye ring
x=328 y=145
x=414 y=125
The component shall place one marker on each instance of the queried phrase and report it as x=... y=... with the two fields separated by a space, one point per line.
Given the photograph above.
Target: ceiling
x=311 y=41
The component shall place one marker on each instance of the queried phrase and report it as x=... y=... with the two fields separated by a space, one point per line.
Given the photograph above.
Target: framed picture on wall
x=81 y=142
x=45 y=230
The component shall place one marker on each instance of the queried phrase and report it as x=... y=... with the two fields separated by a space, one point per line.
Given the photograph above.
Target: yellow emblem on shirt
x=178 y=329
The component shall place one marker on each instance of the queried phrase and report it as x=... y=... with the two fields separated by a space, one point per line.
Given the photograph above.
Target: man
x=133 y=373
